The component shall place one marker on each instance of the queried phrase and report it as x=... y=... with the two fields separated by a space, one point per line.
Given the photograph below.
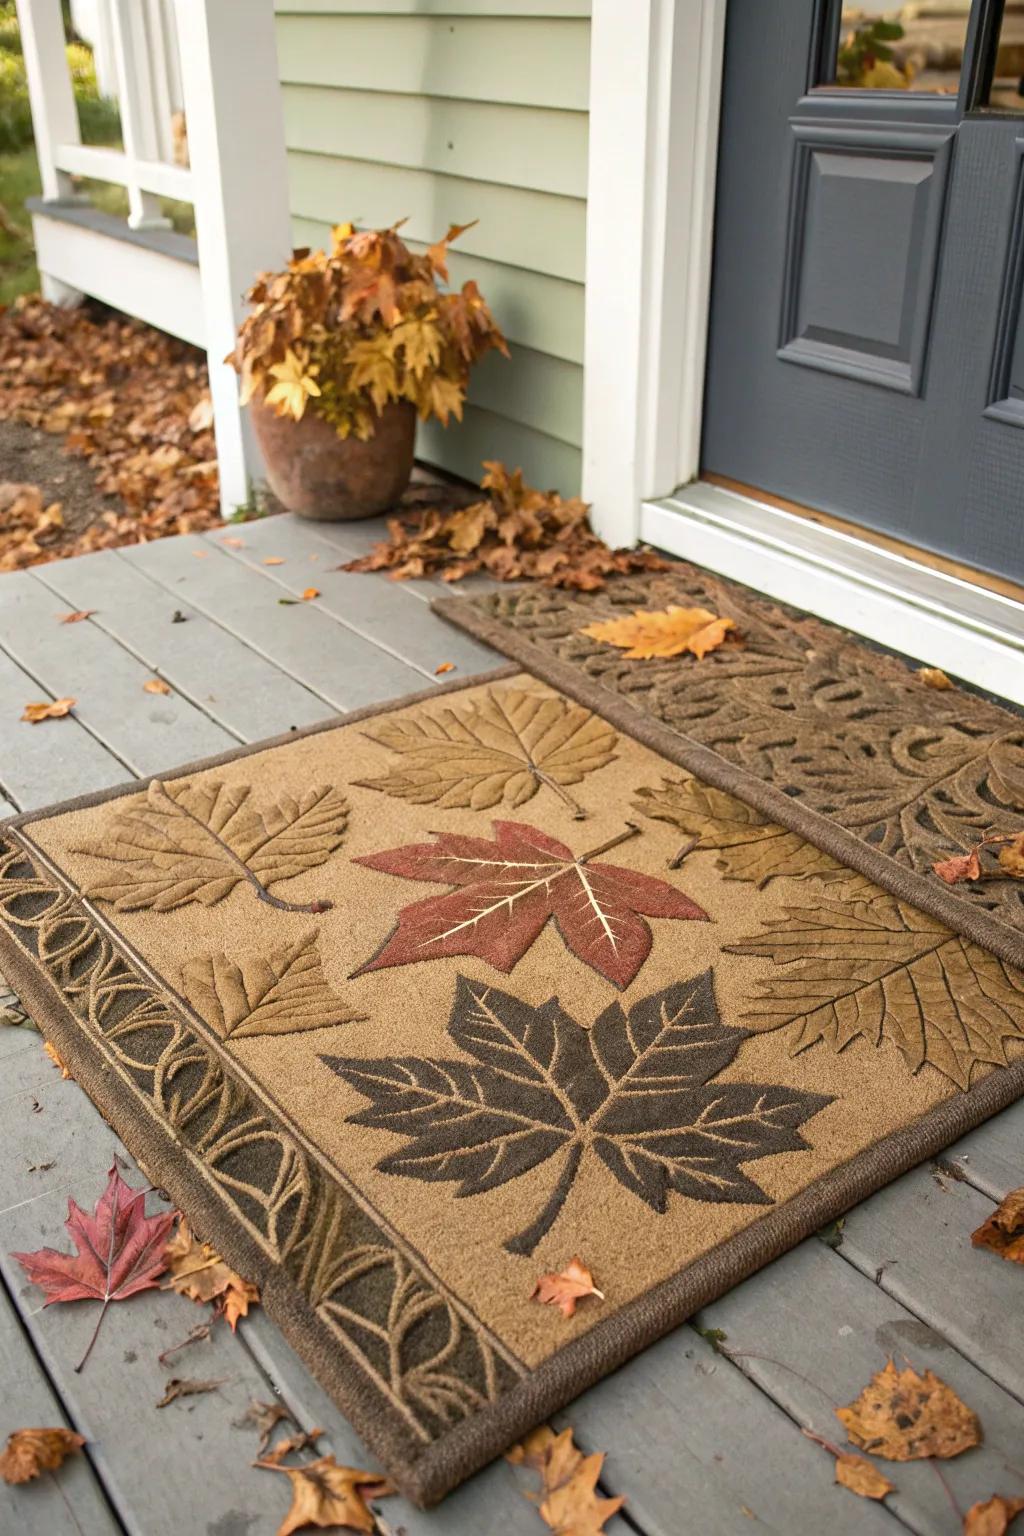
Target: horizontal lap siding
x=440 y=112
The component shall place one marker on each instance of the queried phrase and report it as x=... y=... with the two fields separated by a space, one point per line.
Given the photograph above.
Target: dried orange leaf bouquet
x=346 y=333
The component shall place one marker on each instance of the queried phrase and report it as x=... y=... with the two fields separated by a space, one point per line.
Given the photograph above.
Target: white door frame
x=655 y=87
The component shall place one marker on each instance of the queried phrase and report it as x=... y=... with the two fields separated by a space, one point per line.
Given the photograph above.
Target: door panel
x=866 y=349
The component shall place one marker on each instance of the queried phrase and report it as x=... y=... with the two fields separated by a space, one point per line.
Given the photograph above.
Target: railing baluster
x=54 y=114
x=138 y=125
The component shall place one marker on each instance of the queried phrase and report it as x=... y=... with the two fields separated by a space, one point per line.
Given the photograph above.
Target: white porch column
x=54 y=114
x=235 y=125
x=655 y=80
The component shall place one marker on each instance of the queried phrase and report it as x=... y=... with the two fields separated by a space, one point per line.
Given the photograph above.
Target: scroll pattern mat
x=407 y=1010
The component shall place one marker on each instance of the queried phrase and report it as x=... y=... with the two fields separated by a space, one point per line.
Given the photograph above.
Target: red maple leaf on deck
x=119 y=1250
x=508 y=889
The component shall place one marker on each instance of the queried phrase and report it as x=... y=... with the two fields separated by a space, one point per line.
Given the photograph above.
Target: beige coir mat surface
x=408 y=1010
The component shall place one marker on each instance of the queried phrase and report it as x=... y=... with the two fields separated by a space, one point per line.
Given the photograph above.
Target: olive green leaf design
x=283 y=993
x=752 y=847
x=880 y=968
x=636 y=1091
x=501 y=747
x=196 y=840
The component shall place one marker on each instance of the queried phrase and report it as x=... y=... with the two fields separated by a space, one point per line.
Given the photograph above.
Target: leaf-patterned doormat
x=811 y=726
x=413 y=1009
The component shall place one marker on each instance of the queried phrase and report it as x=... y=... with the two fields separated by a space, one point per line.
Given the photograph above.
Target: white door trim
x=655 y=86
x=944 y=622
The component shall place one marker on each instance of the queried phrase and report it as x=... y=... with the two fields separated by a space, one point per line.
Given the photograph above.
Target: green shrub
x=97 y=115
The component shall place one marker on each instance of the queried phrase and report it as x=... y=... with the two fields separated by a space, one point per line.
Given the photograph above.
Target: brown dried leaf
x=934 y=677
x=902 y=1416
x=962 y=866
x=310 y=593
x=76 y=617
x=273 y=560
x=32 y=1451
x=1011 y=858
x=862 y=1477
x=51 y=1051
x=1003 y=1232
x=303 y=1439
x=564 y=1288
x=156 y=685
x=263 y=1417
x=325 y=1494
x=645 y=635
x=570 y=1503
x=445 y=666
x=187 y=1386
x=197 y=1271
x=48 y=709
x=992 y=1518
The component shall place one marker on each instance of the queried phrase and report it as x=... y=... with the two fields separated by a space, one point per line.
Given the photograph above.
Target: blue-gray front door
x=866 y=351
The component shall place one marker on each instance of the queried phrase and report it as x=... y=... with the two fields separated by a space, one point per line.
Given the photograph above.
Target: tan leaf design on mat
x=880 y=968
x=639 y=1091
x=195 y=841
x=282 y=993
x=500 y=748
x=752 y=847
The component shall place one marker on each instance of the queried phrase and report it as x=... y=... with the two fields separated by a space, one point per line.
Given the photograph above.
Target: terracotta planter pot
x=316 y=473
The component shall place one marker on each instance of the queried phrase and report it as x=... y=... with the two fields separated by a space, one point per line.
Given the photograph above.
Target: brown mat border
x=930 y=895
x=426 y=1472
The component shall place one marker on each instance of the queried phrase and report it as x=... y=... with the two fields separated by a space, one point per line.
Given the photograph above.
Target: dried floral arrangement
x=347 y=333
x=512 y=532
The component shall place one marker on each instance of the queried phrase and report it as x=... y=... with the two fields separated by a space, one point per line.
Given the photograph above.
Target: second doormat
x=408 y=1011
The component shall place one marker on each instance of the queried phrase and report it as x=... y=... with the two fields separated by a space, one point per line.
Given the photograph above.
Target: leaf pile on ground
x=130 y=400
x=514 y=532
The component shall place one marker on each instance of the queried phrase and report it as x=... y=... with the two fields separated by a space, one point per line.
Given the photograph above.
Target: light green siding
x=444 y=111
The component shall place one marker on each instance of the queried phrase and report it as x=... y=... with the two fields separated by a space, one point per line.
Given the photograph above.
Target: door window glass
x=1006 y=93
x=914 y=47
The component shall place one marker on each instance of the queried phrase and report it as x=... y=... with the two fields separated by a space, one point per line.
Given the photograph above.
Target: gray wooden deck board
x=146 y=731
x=378 y=609
x=50 y=761
x=74 y=1506
x=240 y=689
x=692 y=1438
x=811 y=1330
x=309 y=645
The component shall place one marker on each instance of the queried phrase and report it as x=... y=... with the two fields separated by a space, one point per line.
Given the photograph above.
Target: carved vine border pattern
x=427 y=1357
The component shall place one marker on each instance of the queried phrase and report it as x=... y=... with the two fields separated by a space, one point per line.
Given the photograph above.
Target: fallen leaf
x=197 y=1335
x=230 y=542
x=309 y=594
x=201 y=554
x=933 y=677
x=325 y=1494
x=993 y=1518
x=962 y=866
x=273 y=560
x=446 y=666
x=51 y=1051
x=48 y=709
x=645 y=635
x=76 y=617
x=156 y=685
x=263 y=1417
x=566 y=1287
x=509 y=889
x=119 y=1251
x=32 y=1451
x=1003 y=1232
x=201 y=415
x=1011 y=858
x=302 y=1440
x=861 y=1476
x=197 y=1271
x=187 y=1386
x=570 y=1503
x=905 y=1417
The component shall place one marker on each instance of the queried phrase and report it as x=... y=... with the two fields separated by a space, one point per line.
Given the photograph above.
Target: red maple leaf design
x=508 y=889
x=119 y=1250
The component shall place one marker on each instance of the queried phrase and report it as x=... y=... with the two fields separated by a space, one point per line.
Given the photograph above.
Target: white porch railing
x=218 y=62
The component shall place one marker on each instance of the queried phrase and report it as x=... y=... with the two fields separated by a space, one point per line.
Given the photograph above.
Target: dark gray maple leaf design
x=637 y=1090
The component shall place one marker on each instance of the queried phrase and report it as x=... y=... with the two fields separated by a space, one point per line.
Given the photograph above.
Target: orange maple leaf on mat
x=565 y=1287
x=646 y=635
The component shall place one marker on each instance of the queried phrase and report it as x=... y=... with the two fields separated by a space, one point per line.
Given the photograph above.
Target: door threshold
x=929 y=614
